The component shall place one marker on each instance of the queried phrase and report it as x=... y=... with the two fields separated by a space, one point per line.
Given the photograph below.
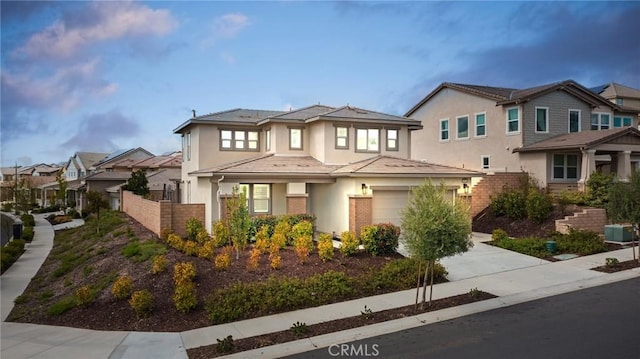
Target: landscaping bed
x=301 y=330
x=618 y=266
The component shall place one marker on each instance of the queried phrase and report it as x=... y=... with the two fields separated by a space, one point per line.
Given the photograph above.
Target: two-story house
x=346 y=165
x=621 y=95
x=560 y=132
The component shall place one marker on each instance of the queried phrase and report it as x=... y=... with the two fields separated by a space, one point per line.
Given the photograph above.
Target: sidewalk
x=514 y=277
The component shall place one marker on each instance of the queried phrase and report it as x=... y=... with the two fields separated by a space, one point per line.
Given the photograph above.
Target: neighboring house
x=163 y=185
x=494 y=129
x=79 y=164
x=623 y=96
x=133 y=154
x=8 y=174
x=348 y=166
x=149 y=164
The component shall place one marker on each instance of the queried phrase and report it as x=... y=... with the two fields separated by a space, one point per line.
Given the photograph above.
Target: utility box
x=619 y=233
x=17 y=229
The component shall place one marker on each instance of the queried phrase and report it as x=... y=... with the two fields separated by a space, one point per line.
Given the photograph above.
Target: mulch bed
x=632 y=263
x=240 y=345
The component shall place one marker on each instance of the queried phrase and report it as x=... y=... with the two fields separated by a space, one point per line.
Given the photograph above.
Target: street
x=599 y=322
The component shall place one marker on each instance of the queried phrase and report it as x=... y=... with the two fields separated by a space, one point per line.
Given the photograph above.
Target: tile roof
x=394 y=166
x=303 y=113
x=120 y=154
x=273 y=165
x=237 y=116
x=351 y=113
x=615 y=90
x=88 y=159
x=575 y=140
x=108 y=176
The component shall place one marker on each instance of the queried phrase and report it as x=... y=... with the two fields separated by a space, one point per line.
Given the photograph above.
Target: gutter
x=218 y=198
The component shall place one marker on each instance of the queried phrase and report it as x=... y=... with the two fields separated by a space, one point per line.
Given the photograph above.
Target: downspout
x=218 y=193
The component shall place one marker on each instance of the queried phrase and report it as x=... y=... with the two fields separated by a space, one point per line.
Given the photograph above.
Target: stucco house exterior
x=346 y=165
x=560 y=132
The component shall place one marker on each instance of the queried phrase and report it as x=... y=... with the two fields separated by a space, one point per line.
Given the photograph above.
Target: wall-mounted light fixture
x=364 y=188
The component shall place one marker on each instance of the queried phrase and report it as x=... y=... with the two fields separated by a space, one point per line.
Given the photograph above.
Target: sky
x=98 y=76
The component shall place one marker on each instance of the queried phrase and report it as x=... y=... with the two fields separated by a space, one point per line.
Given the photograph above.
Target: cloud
x=228 y=57
x=229 y=25
x=101 y=21
x=100 y=132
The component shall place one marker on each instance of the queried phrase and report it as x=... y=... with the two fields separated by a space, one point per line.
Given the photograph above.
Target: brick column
x=166 y=216
x=360 y=212
x=297 y=203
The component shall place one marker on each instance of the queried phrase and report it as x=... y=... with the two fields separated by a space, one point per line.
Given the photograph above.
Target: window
x=258 y=197
x=367 y=140
x=513 y=120
x=342 y=137
x=267 y=140
x=542 y=119
x=565 y=166
x=462 y=127
x=574 y=121
x=619 y=101
x=600 y=121
x=481 y=125
x=239 y=140
x=186 y=146
x=485 y=162
x=392 y=140
x=621 y=121
x=295 y=138
x=444 y=130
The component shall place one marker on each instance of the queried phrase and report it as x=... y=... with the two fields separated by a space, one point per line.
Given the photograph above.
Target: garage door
x=388 y=205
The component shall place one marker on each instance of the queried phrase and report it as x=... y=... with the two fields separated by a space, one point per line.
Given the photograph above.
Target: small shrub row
x=10 y=252
x=272 y=221
x=380 y=239
x=575 y=242
x=28 y=220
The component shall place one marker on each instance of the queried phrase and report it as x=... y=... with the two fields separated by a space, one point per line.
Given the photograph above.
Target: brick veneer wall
x=490 y=185
x=157 y=216
x=360 y=213
x=591 y=219
x=296 y=204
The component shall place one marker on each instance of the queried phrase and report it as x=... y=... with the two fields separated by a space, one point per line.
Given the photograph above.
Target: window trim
x=458 y=118
x=517 y=120
x=569 y=120
x=448 y=130
x=397 y=139
x=251 y=198
x=485 y=157
x=367 y=129
x=599 y=122
x=336 y=137
x=546 y=119
x=565 y=166
x=291 y=129
x=622 y=121
x=245 y=140
x=267 y=139
x=484 y=114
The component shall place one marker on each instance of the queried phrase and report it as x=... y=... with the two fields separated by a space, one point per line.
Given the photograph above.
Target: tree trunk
x=433 y=267
x=424 y=287
x=415 y=308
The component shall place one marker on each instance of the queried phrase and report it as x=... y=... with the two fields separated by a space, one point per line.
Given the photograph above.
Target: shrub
x=190 y=248
x=262 y=238
x=612 y=262
x=62 y=305
x=303 y=228
x=580 y=242
x=258 y=222
x=193 y=226
x=184 y=297
x=275 y=260
x=202 y=236
x=164 y=234
x=28 y=220
x=367 y=313
x=325 y=247
x=532 y=246
x=509 y=202
x=254 y=259
x=282 y=229
x=222 y=261
x=122 y=287
x=349 y=243
x=207 y=249
x=399 y=274
x=160 y=263
x=539 y=206
x=84 y=295
x=382 y=239
x=499 y=234
x=225 y=345
x=304 y=241
x=27 y=234
x=299 y=328
x=598 y=186
x=175 y=241
x=279 y=240
x=183 y=272
x=302 y=252
x=142 y=303
x=220 y=234
x=141 y=251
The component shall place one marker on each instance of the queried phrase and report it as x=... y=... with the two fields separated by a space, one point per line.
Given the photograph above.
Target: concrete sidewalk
x=516 y=278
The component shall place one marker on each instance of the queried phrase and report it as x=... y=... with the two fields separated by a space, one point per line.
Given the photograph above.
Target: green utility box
x=618 y=233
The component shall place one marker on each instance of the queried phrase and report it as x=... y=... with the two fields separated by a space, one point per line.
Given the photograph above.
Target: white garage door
x=388 y=205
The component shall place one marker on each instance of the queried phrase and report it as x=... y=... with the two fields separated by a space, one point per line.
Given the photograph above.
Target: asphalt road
x=599 y=322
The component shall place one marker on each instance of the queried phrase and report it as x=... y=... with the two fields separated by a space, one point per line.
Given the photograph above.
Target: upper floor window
x=392 y=140
x=295 y=138
x=267 y=140
x=619 y=101
x=621 y=121
x=486 y=162
x=186 y=146
x=342 y=137
x=600 y=121
x=239 y=140
x=513 y=120
x=368 y=140
x=542 y=119
x=481 y=125
x=574 y=121
x=462 y=127
x=444 y=130
x=565 y=166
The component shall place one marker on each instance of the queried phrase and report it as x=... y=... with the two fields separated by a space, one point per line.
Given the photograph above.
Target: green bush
x=325 y=247
x=302 y=229
x=511 y=203
x=84 y=295
x=141 y=251
x=185 y=297
x=193 y=227
x=349 y=243
x=532 y=246
x=399 y=274
x=220 y=234
x=539 y=206
x=225 y=345
x=10 y=253
x=580 y=242
x=122 y=287
x=142 y=303
x=28 y=220
x=62 y=306
x=381 y=241
x=27 y=234
x=598 y=186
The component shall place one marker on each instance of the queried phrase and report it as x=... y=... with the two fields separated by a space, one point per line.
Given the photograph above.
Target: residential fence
x=159 y=215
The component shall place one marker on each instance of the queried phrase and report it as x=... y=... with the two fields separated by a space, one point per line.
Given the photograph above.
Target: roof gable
x=585 y=139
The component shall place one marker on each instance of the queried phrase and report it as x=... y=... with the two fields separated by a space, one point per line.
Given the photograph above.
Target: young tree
x=238 y=219
x=434 y=227
x=137 y=183
x=624 y=203
x=96 y=201
x=61 y=193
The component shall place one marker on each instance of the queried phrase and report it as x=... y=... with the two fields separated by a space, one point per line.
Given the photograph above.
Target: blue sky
x=100 y=76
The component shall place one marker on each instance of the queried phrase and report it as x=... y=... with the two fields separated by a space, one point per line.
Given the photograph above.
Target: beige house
x=492 y=129
x=347 y=165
